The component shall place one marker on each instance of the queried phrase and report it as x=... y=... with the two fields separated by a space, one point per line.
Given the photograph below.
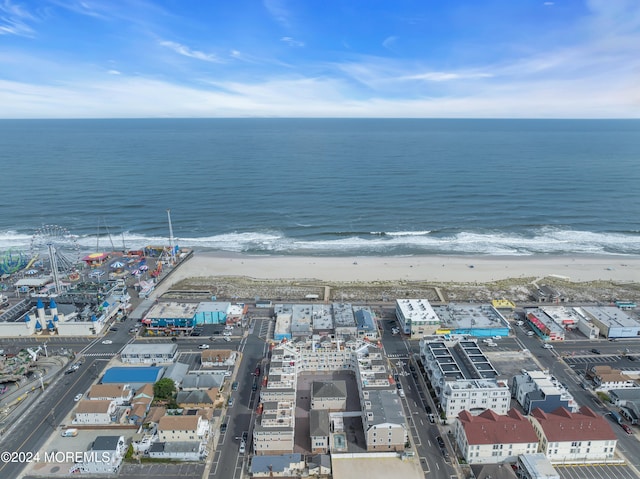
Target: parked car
x=234 y=386
x=223 y=427
x=77 y=398
x=203 y=346
x=230 y=402
x=243 y=447
x=257 y=371
x=432 y=419
x=626 y=428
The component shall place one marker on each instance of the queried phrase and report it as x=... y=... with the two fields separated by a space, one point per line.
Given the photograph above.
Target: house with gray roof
x=384 y=422
x=319 y=430
x=329 y=395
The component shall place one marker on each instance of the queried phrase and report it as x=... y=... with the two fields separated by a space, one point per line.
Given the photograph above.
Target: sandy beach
x=441 y=269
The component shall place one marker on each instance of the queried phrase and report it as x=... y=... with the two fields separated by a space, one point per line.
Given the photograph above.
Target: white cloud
x=445 y=76
x=278 y=11
x=292 y=42
x=120 y=96
x=114 y=72
x=188 y=52
x=389 y=42
x=14 y=20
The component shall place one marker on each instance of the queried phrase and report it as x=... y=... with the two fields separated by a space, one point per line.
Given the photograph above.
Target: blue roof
x=52 y=304
x=136 y=374
x=27 y=318
x=39 y=304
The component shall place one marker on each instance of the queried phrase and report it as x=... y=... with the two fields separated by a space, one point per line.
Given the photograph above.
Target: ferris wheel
x=53 y=243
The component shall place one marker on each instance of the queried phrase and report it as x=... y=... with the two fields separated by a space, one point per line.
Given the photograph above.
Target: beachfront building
x=490 y=438
x=538 y=389
x=479 y=320
x=321 y=319
x=463 y=377
x=366 y=327
x=544 y=325
x=547 y=294
x=283 y=314
x=170 y=318
x=212 y=312
x=344 y=320
x=302 y=320
x=149 y=353
x=416 y=317
x=583 y=437
x=565 y=317
x=612 y=321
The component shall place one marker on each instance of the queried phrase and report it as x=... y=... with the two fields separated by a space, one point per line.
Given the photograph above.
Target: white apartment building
x=384 y=422
x=149 y=353
x=475 y=396
x=274 y=431
x=95 y=412
x=453 y=367
x=182 y=428
x=120 y=393
x=490 y=438
x=416 y=317
x=565 y=437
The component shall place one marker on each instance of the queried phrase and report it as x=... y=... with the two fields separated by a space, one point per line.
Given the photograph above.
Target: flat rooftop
x=171 y=310
x=469 y=316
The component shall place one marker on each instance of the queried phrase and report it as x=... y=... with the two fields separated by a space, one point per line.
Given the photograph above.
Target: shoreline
x=428 y=268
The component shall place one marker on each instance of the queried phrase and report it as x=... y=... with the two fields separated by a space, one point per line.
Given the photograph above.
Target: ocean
x=323 y=186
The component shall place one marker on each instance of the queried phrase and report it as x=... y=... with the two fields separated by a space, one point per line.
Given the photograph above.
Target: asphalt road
x=33 y=429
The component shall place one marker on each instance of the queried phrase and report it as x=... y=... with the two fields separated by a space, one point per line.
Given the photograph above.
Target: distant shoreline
x=430 y=268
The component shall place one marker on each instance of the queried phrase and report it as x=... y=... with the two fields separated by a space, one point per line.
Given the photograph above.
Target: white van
x=69 y=433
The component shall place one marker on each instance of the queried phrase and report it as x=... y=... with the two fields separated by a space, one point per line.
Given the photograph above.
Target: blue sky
x=320 y=58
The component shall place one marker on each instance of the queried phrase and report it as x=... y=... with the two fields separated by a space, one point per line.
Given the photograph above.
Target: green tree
x=164 y=388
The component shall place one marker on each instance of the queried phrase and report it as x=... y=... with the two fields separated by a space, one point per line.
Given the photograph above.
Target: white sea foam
x=547 y=240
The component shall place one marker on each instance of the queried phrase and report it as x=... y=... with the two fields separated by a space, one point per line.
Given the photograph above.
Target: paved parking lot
x=596 y=472
x=165 y=471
